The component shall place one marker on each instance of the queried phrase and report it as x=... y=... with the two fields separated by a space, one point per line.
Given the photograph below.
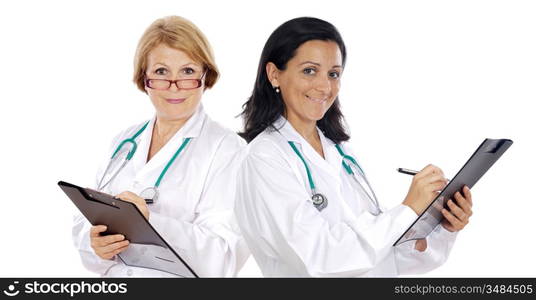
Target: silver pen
x=411 y=172
x=407 y=171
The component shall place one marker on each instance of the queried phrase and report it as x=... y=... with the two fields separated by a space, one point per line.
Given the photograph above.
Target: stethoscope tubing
x=348 y=168
x=131 y=153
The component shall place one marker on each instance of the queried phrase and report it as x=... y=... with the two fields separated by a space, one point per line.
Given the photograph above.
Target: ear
x=145 y=87
x=273 y=74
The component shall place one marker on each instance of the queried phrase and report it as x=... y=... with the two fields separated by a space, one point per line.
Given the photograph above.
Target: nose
x=174 y=87
x=323 y=84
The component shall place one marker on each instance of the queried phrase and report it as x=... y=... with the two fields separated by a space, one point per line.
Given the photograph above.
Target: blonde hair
x=181 y=34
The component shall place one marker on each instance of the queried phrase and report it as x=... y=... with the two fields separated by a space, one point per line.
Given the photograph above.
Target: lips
x=175 y=100
x=316 y=100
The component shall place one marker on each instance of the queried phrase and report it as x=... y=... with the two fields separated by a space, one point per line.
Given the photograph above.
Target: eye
x=334 y=74
x=188 y=71
x=309 y=71
x=161 y=71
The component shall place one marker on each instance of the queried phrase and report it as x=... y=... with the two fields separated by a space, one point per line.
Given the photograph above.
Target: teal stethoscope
x=349 y=163
x=122 y=155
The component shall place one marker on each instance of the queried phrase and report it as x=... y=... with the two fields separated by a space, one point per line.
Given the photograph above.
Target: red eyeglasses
x=181 y=84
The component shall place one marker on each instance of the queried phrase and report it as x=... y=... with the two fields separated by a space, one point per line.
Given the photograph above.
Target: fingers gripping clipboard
x=147 y=249
x=478 y=164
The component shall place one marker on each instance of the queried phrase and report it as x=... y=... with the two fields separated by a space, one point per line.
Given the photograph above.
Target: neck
x=165 y=129
x=307 y=129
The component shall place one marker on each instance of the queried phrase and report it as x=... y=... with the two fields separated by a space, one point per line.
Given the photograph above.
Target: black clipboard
x=147 y=249
x=478 y=164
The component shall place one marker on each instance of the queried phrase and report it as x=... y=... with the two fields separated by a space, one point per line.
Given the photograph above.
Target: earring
x=277 y=89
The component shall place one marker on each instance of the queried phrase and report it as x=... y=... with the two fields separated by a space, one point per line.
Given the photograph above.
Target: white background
x=425 y=82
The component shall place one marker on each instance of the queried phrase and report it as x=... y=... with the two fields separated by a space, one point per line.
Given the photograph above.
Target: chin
x=173 y=114
x=317 y=116
x=316 y=113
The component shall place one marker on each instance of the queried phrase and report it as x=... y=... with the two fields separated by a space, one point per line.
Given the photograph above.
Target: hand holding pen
x=411 y=172
x=425 y=187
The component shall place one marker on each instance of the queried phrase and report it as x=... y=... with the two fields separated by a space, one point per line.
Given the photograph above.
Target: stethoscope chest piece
x=319 y=201
x=150 y=194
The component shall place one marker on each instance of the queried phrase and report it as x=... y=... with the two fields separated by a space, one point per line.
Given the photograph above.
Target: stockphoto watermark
x=66 y=288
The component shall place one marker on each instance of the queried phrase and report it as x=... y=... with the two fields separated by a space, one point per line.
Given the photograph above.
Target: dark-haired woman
x=304 y=204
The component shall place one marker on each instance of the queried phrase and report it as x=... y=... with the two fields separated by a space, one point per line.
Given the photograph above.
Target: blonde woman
x=183 y=162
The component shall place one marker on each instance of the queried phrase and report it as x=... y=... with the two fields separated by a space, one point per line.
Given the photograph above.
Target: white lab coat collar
x=332 y=162
x=191 y=129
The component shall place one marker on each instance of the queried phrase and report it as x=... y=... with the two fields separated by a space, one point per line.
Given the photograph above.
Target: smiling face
x=310 y=83
x=164 y=62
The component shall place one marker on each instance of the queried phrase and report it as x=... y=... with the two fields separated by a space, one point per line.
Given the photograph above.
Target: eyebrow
x=187 y=64
x=317 y=64
x=159 y=63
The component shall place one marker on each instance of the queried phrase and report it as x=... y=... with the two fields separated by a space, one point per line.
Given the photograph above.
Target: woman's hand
x=424 y=188
x=457 y=218
x=107 y=246
x=459 y=214
x=139 y=201
x=421 y=245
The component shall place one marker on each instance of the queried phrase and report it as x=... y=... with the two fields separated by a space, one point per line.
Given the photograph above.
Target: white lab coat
x=194 y=211
x=289 y=237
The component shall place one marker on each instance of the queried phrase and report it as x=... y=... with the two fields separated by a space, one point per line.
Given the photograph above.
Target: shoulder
x=129 y=131
x=221 y=135
x=346 y=146
x=269 y=147
x=268 y=143
x=350 y=151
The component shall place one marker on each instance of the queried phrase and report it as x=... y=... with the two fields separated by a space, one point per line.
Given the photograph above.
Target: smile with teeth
x=317 y=100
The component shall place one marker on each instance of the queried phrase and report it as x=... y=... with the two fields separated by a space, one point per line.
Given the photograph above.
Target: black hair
x=265 y=106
